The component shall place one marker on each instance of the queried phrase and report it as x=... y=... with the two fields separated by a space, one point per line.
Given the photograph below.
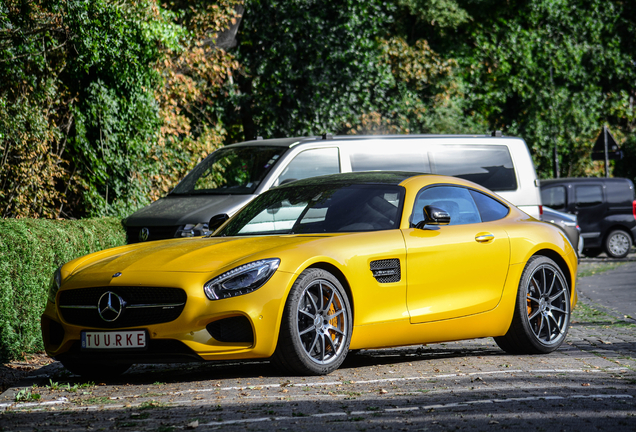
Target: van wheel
x=316 y=327
x=618 y=244
x=542 y=311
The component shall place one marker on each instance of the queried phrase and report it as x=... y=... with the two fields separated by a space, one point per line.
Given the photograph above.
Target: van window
x=488 y=165
x=311 y=163
x=390 y=158
x=554 y=197
x=588 y=196
x=619 y=193
x=456 y=201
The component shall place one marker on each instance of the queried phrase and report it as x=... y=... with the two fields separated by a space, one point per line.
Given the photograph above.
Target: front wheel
x=316 y=326
x=542 y=311
x=618 y=244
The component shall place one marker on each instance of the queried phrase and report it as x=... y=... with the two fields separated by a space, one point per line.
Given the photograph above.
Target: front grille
x=387 y=270
x=141 y=306
x=154 y=233
x=235 y=329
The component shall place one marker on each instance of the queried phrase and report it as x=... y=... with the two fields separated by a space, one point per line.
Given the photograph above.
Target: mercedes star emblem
x=144 y=234
x=110 y=306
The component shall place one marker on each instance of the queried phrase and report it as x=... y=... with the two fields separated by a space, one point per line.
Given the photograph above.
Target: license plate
x=114 y=339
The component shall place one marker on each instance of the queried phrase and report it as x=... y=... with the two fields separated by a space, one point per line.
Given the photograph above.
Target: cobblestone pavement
x=588 y=384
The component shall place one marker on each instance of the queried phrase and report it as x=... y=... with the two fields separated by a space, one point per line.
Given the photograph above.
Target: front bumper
x=190 y=337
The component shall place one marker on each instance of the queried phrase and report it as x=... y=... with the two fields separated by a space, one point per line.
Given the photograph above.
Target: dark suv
x=605 y=208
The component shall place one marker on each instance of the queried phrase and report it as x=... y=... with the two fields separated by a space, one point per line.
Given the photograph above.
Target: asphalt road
x=615 y=290
x=588 y=384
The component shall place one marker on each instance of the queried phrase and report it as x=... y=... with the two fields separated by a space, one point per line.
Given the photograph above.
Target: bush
x=31 y=250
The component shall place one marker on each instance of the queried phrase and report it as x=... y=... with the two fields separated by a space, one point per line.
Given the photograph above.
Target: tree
x=104 y=105
x=546 y=70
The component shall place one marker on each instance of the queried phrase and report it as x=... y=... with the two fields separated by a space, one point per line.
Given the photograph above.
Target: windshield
x=230 y=170
x=320 y=208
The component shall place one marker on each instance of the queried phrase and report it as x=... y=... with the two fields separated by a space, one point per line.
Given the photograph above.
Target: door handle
x=484 y=237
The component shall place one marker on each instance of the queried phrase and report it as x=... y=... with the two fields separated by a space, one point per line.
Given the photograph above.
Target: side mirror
x=434 y=216
x=217 y=220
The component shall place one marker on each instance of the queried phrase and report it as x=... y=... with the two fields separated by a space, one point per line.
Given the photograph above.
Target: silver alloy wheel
x=548 y=305
x=322 y=322
x=618 y=244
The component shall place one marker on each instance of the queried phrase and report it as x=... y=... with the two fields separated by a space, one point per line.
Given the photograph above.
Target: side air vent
x=386 y=271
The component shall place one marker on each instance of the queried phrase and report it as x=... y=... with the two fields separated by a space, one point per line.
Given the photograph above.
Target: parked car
x=605 y=208
x=328 y=273
x=235 y=174
x=568 y=223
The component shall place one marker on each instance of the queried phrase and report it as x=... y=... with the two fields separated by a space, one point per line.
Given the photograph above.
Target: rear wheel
x=542 y=311
x=316 y=327
x=618 y=244
x=95 y=370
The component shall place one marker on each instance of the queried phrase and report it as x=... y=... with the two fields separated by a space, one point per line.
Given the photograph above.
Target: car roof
x=299 y=141
x=583 y=180
x=359 y=177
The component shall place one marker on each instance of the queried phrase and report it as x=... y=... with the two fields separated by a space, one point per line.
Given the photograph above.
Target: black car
x=605 y=208
x=568 y=223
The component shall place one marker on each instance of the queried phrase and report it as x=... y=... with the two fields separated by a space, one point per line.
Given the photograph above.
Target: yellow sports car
x=315 y=268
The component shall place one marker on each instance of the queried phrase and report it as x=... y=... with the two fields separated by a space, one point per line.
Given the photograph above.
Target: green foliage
x=310 y=66
x=441 y=13
x=105 y=105
x=26 y=395
x=346 y=67
x=31 y=250
x=84 y=109
x=546 y=70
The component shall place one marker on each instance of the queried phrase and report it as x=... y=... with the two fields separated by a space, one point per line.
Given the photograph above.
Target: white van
x=233 y=175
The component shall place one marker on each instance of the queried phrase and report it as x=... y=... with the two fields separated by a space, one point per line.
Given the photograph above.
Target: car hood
x=199 y=254
x=176 y=210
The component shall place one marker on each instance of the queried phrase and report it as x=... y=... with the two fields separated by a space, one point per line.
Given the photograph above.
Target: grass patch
x=26 y=395
x=588 y=314
x=591 y=269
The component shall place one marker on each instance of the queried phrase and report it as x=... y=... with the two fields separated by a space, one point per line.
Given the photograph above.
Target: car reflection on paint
x=313 y=269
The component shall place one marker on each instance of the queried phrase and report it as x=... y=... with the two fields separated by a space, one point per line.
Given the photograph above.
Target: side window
x=554 y=197
x=311 y=163
x=397 y=158
x=489 y=209
x=457 y=201
x=488 y=165
x=588 y=196
x=619 y=193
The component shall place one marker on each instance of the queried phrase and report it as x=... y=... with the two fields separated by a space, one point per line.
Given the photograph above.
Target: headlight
x=54 y=286
x=241 y=280
x=192 y=230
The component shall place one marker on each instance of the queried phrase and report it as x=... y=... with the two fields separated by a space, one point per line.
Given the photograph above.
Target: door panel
x=590 y=210
x=455 y=270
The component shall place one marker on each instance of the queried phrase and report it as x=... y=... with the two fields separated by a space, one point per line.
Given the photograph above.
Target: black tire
x=316 y=326
x=542 y=310
x=92 y=370
x=618 y=244
x=592 y=253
